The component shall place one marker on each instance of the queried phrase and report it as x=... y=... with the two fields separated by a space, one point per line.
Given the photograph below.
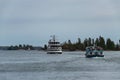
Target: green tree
x=15 y=47
x=110 y=44
x=45 y=47
x=69 y=42
x=89 y=42
x=71 y=46
x=119 y=43
x=97 y=42
x=93 y=42
x=85 y=43
x=78 y=44
x=102 y=42
x=117 y=47
x=65 y=45
x=20 y=46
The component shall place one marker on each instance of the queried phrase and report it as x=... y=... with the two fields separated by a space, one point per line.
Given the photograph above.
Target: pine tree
x=45 y=47
x=110 y=44
x=85 y=43
x=97 y=42
x=78 y=44
x=89 y=42
x=102 y=42
x=93 y=42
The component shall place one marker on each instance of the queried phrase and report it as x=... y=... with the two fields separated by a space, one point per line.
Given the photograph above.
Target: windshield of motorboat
x=94 y=48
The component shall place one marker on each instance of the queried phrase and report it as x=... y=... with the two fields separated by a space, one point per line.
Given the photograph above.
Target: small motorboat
x=94 y=51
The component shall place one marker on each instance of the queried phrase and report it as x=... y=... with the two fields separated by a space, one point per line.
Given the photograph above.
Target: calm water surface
x=37 y=65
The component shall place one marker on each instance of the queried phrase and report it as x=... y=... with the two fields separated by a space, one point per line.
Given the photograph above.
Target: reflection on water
x=36 y=65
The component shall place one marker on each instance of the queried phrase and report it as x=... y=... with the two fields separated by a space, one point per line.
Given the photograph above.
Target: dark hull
x=90 y=56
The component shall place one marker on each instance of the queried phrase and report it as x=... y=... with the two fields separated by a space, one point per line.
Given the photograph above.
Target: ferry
x=54 y=46
x=94 y=51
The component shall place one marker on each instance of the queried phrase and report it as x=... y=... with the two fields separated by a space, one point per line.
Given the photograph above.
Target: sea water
x=37 y=65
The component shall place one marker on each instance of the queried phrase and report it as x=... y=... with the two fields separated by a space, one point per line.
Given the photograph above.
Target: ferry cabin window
x=55 y=46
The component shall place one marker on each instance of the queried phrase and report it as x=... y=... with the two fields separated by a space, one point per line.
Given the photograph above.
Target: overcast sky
x=33 y=21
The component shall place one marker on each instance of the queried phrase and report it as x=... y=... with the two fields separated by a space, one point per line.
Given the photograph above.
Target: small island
x=21 y=47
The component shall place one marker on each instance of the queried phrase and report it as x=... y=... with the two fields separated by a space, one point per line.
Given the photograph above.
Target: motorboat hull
x=90 y=56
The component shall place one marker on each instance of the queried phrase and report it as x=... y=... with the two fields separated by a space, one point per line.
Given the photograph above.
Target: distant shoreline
x=46 y=50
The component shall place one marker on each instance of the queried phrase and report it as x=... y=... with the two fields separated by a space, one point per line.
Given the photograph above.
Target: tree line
x=107 y=44
x=21 y=47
